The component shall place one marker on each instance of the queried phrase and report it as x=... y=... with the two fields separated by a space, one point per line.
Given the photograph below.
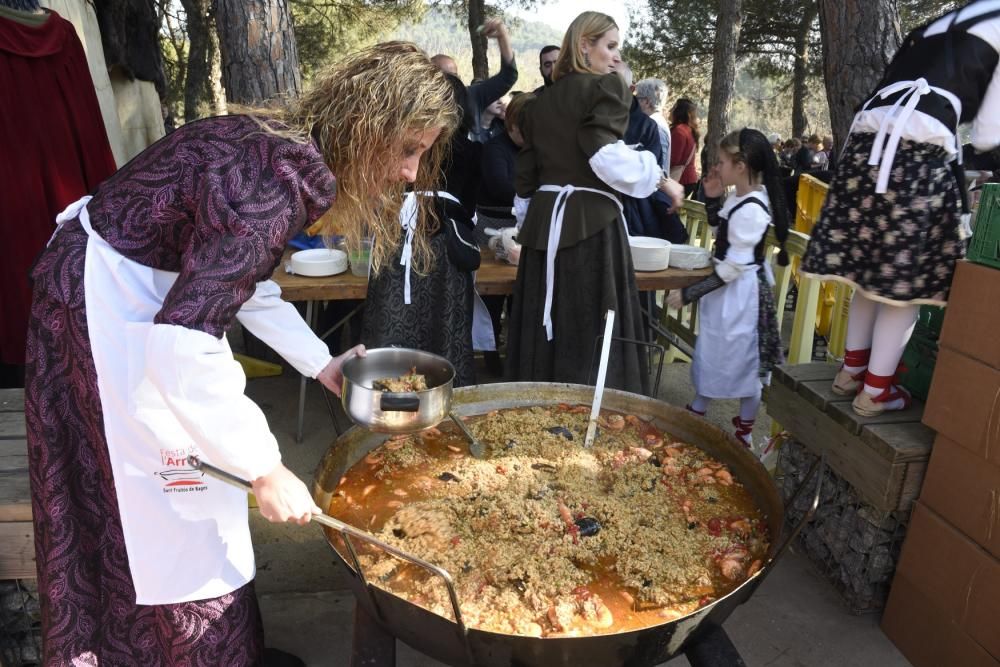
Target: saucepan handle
x=390 y=402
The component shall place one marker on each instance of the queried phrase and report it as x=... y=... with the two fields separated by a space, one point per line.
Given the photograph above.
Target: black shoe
x=274 y=657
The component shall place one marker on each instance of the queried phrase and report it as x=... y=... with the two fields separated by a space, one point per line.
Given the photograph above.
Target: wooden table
x=494 y=277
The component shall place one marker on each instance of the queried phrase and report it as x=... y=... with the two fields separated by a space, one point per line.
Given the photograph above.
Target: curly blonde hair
x=589 y=26
x=363 y=112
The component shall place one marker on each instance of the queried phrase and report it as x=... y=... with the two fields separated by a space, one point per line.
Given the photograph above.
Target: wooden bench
x=17 y=540
x=883 y=458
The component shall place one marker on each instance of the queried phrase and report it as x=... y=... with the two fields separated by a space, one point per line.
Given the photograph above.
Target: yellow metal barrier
x=833 y=296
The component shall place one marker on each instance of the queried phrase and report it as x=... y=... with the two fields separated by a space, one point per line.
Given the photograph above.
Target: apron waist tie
x=408 y=218
x=555 y=232
x=71 y=212
x=883 y=150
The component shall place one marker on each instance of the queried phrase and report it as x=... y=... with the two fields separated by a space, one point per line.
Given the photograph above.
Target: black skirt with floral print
x=900 y=246
x=768 y=335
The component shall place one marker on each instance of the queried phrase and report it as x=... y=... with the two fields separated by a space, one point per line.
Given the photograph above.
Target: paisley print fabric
x=899 y=246
x=438 y=318
x=215 y=201
x=89 y=615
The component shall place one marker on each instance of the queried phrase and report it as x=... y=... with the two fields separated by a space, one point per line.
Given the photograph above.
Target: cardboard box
x=972 y=318
x=955 y=575
x=964 y=404
x=965 y=491
x=925 y=634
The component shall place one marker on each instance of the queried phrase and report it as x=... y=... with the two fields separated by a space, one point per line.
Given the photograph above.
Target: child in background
x=738 y=341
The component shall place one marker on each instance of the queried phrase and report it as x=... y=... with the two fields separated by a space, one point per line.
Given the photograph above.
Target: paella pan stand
x=372 y=646
x=374 y=639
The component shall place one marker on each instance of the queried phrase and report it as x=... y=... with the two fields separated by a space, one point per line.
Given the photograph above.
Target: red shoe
x=744 y=431
x=846 y=383
x=867 y=405
x=692 y=410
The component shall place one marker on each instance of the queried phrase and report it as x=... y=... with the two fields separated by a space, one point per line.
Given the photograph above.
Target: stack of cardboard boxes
x=944 y=608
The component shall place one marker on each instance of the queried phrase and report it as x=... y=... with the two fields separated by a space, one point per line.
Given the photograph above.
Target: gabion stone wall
x=20 y=625
x=854 y=545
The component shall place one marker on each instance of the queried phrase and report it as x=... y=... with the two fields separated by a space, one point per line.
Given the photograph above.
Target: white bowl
x=689 y=257
x=649 y=253
x=319 y=262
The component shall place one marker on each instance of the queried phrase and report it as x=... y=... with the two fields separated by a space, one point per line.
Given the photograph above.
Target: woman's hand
x=493 y=28
x=331 y=377
x=282 y=496
x=674 y=190
x=712 y=183
x=675 y=299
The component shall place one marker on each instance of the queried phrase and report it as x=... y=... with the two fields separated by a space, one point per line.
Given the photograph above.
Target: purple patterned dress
x=216 y=201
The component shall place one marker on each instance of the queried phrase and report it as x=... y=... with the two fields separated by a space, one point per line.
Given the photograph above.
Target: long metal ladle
x=348 y=531
x=602 y=372
x=476 y=448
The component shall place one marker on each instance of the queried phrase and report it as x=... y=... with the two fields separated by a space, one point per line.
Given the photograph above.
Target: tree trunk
x=859 y=39
x=218 y=92
x=800 y=69
x=197 y=86
x=480 y=61
x=720 y=101
x=259 y=58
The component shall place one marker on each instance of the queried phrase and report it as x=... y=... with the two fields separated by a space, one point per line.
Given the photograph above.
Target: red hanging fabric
x=53 y=150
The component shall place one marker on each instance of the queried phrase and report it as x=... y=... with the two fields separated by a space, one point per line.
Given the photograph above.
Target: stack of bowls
x=319 y=262
x=689 y=257
x=649 y=253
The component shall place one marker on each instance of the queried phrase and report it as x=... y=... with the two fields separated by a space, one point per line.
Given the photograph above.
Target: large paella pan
x=446 y=632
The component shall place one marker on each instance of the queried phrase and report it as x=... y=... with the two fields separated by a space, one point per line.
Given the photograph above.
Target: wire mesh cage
x=852 y=544
x=20 y=624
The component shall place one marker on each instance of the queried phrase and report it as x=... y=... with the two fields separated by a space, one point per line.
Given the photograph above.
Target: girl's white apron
x=726 y=360
x=726 y=356
x=186 y=534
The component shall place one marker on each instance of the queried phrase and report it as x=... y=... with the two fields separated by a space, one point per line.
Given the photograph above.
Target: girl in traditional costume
x=892 y=225
x=431 y=307
x=738 y=342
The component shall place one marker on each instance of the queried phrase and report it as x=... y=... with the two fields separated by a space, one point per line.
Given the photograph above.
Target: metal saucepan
x=452 y=642
x=389 y=412
x=409 y=412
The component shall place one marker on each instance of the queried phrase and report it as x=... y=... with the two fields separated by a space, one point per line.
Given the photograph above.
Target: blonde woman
x=575 y=263
x=141 y=560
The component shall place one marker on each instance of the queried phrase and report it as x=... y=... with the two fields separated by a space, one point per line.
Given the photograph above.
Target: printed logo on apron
x=177 y=475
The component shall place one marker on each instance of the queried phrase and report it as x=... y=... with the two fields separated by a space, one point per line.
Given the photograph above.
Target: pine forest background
x=778 y=85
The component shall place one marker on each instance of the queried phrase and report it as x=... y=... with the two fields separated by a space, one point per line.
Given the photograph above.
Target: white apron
x=167 y=392
x=482 y=323
x=555 y=234
x=726 y=353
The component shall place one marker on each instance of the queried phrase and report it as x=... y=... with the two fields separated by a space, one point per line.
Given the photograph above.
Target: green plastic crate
x=984 y=248
x=921 y=352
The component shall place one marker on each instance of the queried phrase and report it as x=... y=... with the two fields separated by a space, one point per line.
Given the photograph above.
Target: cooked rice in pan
x=546 y=538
